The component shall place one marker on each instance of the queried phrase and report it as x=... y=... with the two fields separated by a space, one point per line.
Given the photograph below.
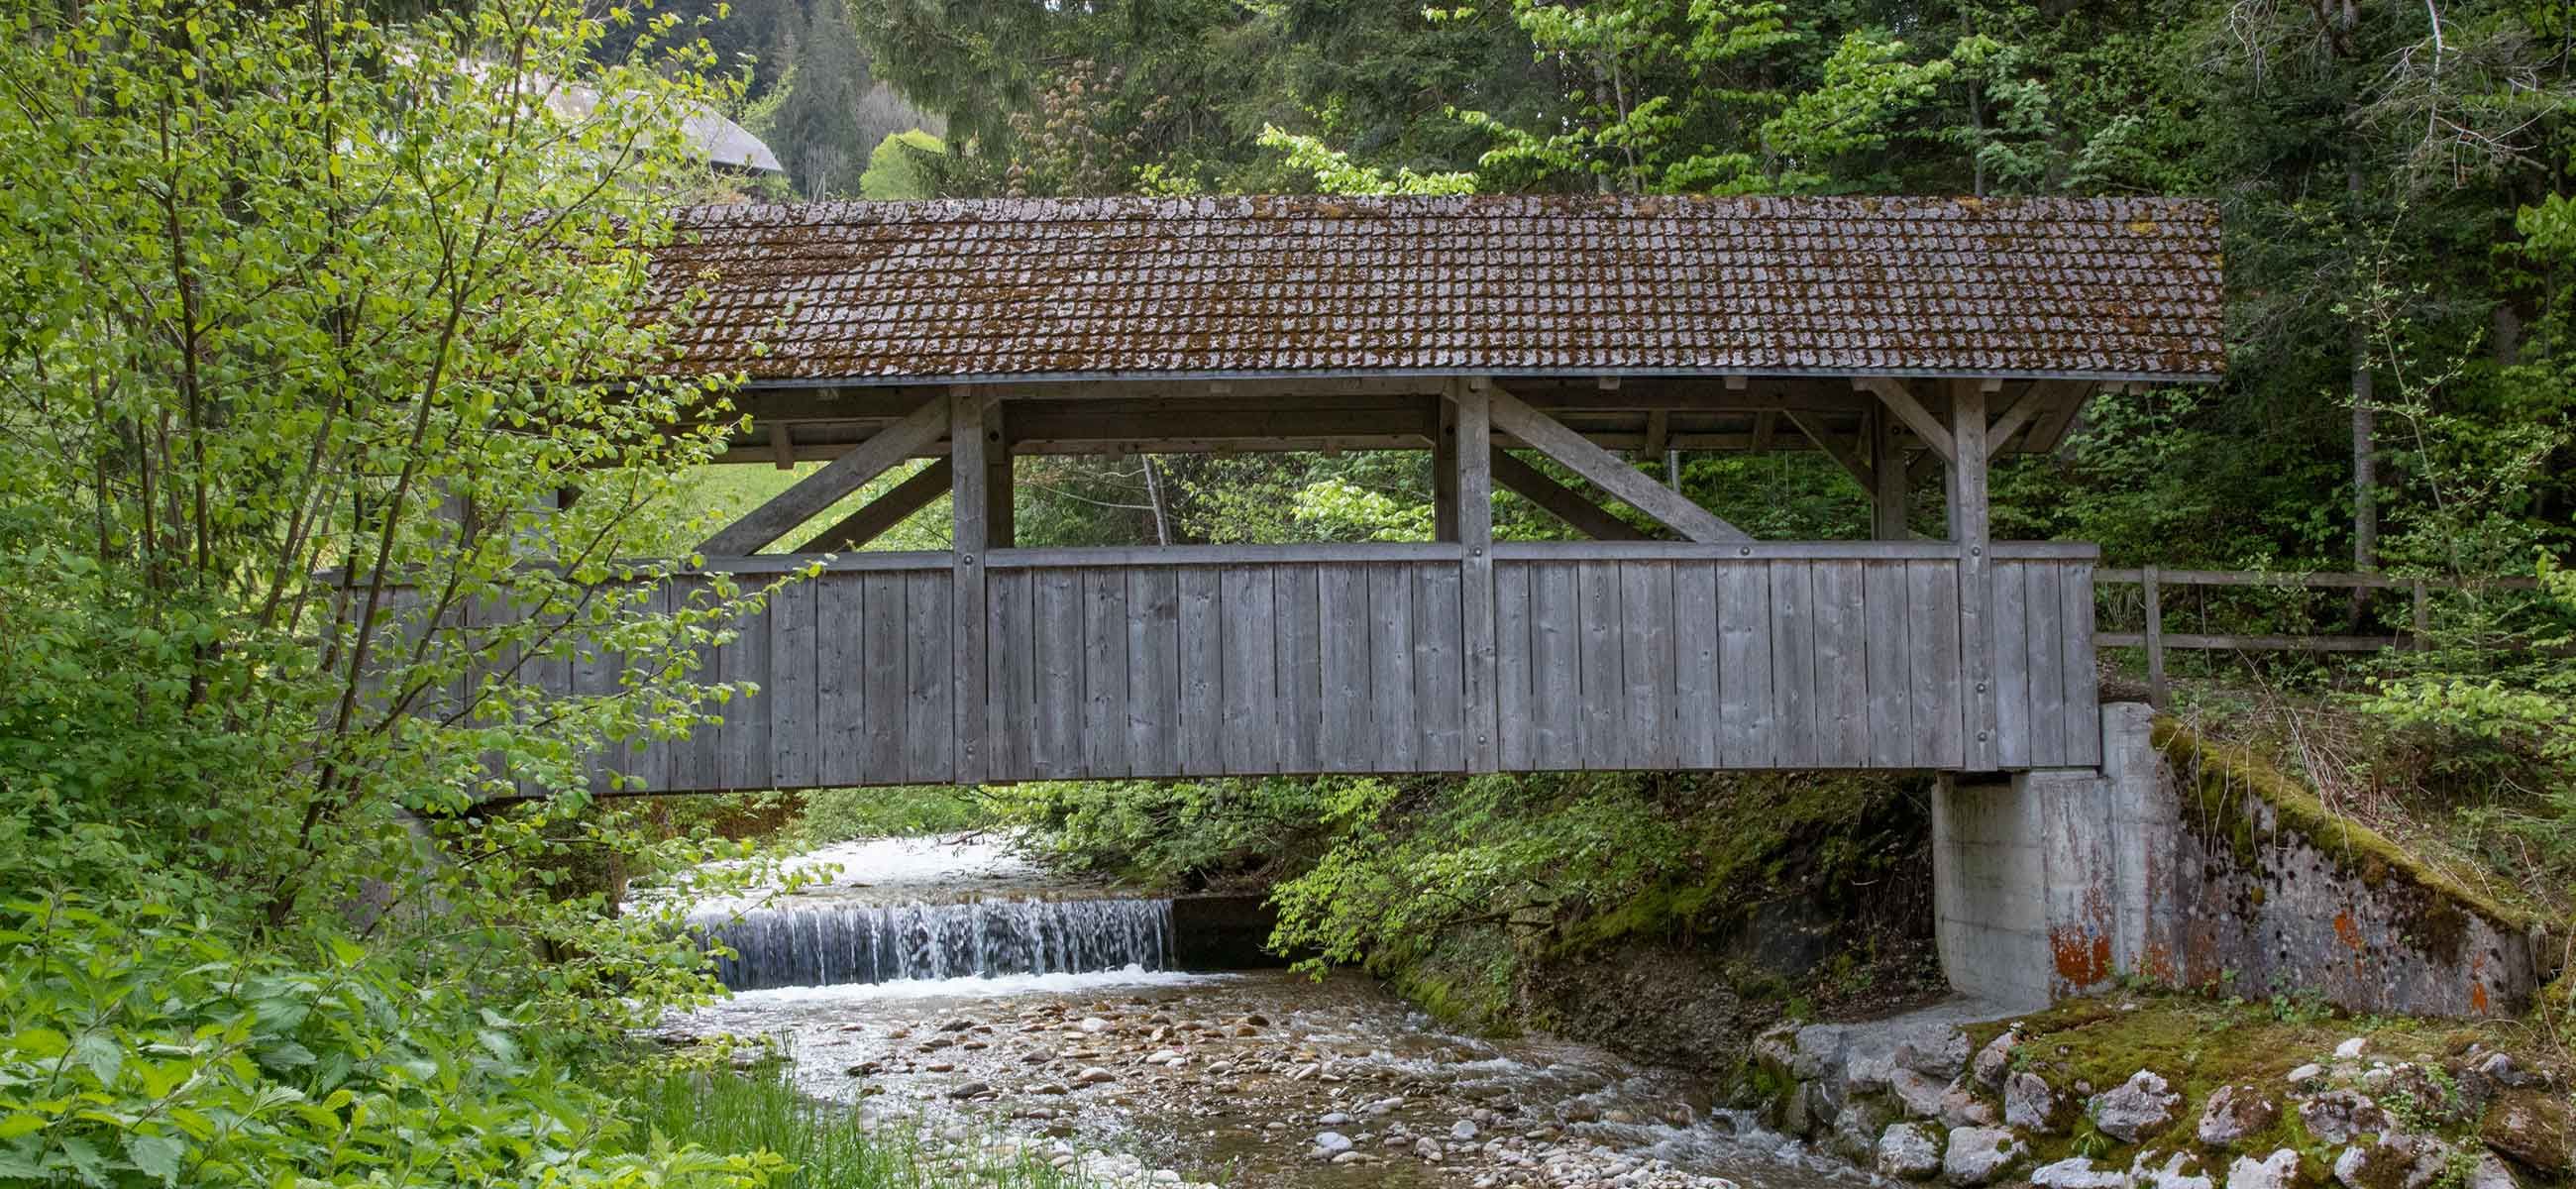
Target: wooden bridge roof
x=1089 y=289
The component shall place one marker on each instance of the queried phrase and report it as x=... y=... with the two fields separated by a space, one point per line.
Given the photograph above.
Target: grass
x=735 y=1112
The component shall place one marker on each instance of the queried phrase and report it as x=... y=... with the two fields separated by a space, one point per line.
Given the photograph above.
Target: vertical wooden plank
x=1747 y=717
x=1251 y=671
x=1391 y=668
x=1646 y=663
x=1444 y=466
x=2012 y=664
x=971 y=507
x=1693 y=724
x=1968 y=529
x=930 y=712
x=1602 y=721
x=794 y=748
x=1202 y=672
x=693 y=765
x=1842 y=665
x=1932 y=598
x=1556 y=654
x=646 y=759
x=1890 y=665
x=888 y=661
x=1299 y=648
x=2083 y=694
x=1514 y=727
x=1056 y=604
x=2046 y=682
x=1010 y=654
x=1793 y=662
x=743 y=755
x=1153 y=672
x=1475 y=464
x=1439 y=675
x=1349 y=742
x=1104 y=672
x=840 y=680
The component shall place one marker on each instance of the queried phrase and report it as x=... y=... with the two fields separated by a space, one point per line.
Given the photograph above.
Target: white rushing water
x=817 y=944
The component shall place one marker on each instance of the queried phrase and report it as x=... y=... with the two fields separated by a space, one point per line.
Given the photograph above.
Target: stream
x=959 y=991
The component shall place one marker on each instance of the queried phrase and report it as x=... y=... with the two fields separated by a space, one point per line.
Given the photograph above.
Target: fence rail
x=2152 y=580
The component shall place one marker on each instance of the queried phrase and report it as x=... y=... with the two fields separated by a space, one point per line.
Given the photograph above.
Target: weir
x=824 y=944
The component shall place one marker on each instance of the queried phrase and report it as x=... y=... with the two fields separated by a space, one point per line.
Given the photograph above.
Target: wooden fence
x=2152 y=582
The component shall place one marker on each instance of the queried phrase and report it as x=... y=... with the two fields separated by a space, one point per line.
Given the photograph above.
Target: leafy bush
x=837 y=815
x=1181 y=834
x=146 y=1049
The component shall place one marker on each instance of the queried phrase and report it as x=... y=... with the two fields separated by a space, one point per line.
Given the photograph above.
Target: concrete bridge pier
x=2056 y=881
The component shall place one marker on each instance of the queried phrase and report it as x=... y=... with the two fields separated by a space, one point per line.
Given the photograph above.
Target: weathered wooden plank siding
x=1629 y=657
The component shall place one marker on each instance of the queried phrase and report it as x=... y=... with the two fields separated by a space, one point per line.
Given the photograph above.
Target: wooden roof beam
x=1848 y=456
x=886 y=511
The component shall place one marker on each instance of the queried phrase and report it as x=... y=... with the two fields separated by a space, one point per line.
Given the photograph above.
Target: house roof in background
x=2108 y=288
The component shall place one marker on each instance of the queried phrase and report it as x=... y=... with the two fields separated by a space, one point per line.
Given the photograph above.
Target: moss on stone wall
x=2222 y=786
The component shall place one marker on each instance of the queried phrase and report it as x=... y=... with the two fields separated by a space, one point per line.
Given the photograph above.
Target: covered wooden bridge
x=1908 y=340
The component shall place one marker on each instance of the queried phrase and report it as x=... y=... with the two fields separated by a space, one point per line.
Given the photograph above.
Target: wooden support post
x=971 y=507
x=1560 y=501
x=1001 y=507
x=2157 y=694
x=1550 y=437
x=782 y=446
x=886 y=511
x=1892 y=486
x=2423 y=618
x=1471 y=423
x=836 y=479
x=1445 y=457
x=1968 y=529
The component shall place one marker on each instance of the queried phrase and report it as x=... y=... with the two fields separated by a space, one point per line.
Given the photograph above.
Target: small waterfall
x=816 y=944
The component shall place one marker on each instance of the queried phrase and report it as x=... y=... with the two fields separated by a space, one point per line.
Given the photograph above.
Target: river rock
x=2234 y=1112
x=1979 y=1155
x=1994 y=1062
x=2490 y=1173
x=1959 y=1108
x=1094 y=1025
x=1427 y=1148
x=2180 y=1170
x=2396 y=1158
x=1093 y=1075
x=2351 y=1050
x=1818 y=1051
x=1909 y=1151
x=1333 y=1118
x=1919 y=1094
x=2280 y=1170
x=2029 y=1103
x=1858 y=1129
x=1463 y=1131
x=2135 y=1109
x=2531 y=1128
x=1935 y=1052
x=1331 y=1143
x=970 y=1090
x=2339 y=1116
x=2076 y=1172
x=2306 y=1073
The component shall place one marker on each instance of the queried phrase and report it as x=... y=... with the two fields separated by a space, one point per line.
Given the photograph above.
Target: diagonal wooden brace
x=924 y=427
x=1605 y=470
x=1560 y=501
x=1900 y=400
x=886 y=511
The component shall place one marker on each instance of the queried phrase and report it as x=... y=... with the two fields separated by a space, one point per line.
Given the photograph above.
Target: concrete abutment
x=2058 y=882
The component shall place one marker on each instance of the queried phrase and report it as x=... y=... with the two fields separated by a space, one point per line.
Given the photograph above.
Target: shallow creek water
x=1252 y=1078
